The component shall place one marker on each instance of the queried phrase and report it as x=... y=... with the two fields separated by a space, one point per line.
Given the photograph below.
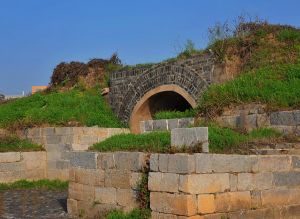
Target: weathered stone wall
x=256 y=116
x=100 y=182
x=229 y=186
x=187 y=186
x=165 y=124
x=22 y=165
x=57 y=141
x=129 y=86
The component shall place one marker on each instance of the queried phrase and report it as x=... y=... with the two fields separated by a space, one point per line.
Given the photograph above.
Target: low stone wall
x=22 y=165
x=256 y=116
x=100 y=182
x=165 y=124
x=58 y=140
x=224 y=186
x=198 y=186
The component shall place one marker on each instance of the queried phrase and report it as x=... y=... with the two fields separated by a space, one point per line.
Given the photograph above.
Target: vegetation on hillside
x=70 y=108
x=13 y=143
x=266 y=59
x=221 y=140
x=174 y=114
x=38 y=184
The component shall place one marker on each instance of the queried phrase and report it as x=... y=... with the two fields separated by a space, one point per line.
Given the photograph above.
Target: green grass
x=39 y=184
x=13 y=143
x=134 y=214
x=278 y=87
x=225 y=139
x=220 y=141
x=59 y=108
x=174 y=114
x=152 y=142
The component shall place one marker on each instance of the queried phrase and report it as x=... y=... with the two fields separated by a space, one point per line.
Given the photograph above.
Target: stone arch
x=142 y=110
x=178 y=79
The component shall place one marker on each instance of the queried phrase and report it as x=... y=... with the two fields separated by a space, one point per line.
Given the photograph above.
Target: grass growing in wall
x=13 y=143
x=174 y=114
x=74 y=107
x=221 y=140
x=39 y=184
x=134 y=214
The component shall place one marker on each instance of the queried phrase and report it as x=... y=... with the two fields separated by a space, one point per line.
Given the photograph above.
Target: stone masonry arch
x=169 y=85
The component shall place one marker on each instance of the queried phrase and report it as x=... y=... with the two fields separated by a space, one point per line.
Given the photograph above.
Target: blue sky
x=35 y=35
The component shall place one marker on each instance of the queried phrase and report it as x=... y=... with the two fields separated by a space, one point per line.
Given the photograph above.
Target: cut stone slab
x=189 y=137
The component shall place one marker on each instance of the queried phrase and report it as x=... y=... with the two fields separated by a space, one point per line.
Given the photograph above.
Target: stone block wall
x=58 y=140
x=100 y=182
x=22 y=165
x=212 y=186
x=255 y=116
x=165 y=124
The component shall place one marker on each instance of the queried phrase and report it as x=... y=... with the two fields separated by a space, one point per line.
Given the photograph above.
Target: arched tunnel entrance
x=162 y=98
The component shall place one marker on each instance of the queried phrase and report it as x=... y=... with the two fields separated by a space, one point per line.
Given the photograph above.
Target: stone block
x=9 y=157
x=284 y=129
x=179 y=204
x=222 y=163
x=189 y=137
x=204 y=163
x=173 y=124
x=163 y=160
x=72 y=207
x=272 y=163
x=88 y=140
x=263 y=120
x=291 y=211
x=117 y=179
x=127 y=198
x=253 y=214
x=57 y=147
x=280 y=197
x=160 y=125
x=72 y=175
x=232 y=201
x=63 y=130
x=255 y=181
x=206 y=204
x=185 y=122
x=147 y=126
x=289 y=118
x=157 y=215
x=134 y=161
x=79 y=147
x=89 y=177
x=181 y=163
x=105 y=195
x=154 y=162
x=288 y=179
x=86 y=160
x=11 y=167
x=204 y=183
x=106 y=161
x=163 y=182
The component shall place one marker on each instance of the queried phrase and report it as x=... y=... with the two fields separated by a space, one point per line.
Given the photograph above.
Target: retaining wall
x=224 y=186
x=100 y=182
x=165 y=124
x=22 y=165
x=251 y=117
x=58 y=140
x=187 y=186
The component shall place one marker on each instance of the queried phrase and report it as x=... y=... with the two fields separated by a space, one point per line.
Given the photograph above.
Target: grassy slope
x=271 y=72
x=220 y=140
x=13 y=143
x=58 y=109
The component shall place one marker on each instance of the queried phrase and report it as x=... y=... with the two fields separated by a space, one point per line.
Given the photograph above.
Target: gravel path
x=31 y=203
